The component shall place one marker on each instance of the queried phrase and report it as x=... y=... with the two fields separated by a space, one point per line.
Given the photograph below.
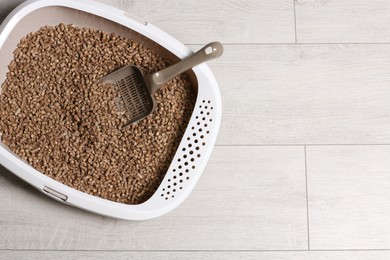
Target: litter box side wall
x=208 y=107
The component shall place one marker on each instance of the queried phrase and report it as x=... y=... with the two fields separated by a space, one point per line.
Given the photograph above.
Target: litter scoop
x=137 y=91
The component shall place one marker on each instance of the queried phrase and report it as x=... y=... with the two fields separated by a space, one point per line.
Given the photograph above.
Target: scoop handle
x=210 y=51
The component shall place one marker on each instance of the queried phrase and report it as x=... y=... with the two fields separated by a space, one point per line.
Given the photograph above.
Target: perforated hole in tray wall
x=191 y=150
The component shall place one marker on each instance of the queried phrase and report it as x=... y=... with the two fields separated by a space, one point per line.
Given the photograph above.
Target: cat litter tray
x=182 y=174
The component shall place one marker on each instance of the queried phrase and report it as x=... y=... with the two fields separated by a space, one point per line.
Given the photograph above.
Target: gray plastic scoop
x=137 y=91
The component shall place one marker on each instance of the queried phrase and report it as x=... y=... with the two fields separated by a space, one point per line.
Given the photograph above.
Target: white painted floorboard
x=349 y=192
x=195 y=255
x=228 y=21
x=343 y=21
x=304 y=94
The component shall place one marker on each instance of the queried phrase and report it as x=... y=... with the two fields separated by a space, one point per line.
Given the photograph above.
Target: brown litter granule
x=56 y=116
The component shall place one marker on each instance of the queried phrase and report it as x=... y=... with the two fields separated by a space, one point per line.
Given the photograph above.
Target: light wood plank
x=248 y=198
x=185 y=255
x=202 y=21
x=349 y=191
x=335 y=21
x=305 y=94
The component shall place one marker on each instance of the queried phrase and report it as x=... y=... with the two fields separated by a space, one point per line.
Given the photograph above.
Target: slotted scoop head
x=134 y=98
x=136 y=92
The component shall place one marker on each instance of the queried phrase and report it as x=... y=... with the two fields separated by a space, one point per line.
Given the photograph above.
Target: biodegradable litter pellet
x=55 y=115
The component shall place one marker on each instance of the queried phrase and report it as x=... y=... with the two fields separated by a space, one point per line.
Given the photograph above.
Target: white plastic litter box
x=198 y=140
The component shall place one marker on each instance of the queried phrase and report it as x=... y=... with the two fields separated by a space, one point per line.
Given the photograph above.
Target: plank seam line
x=295 y=22
x=307 y=201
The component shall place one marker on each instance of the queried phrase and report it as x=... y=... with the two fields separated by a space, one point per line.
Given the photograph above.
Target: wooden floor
x=301 y=169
